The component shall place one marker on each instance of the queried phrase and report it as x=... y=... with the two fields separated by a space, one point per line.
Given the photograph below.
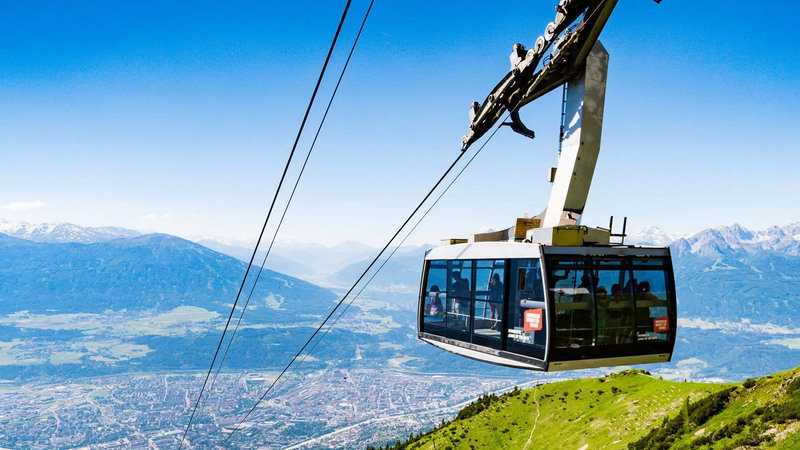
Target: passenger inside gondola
x=434 y=306
x=460 y=291
x=496 y=289
x=435 y=298
x=459 y=297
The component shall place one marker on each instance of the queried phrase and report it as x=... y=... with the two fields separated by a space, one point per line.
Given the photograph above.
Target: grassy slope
x=630 y=406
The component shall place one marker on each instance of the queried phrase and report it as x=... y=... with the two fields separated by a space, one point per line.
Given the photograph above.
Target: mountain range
x=736 y=291
x=316 y=263
x=150 y=272
x=63 y=232
x=722 y=240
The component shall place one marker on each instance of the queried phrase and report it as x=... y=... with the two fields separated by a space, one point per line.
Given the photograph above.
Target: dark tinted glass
x=573 y=291
x=615 y=308
x=652 y=305
x=527 y=320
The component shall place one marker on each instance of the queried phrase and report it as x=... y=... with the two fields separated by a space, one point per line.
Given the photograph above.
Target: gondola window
x=435 y=298
x=652 y=305
x=573 y=291
x=489 y=298
x=527 y=324
x=615 y=309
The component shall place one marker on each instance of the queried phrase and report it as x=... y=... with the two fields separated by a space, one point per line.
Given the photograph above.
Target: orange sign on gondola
x=533 y=320
x=661 y=324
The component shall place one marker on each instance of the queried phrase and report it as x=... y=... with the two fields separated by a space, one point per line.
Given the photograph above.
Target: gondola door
x=487 y=307
x=458 y=321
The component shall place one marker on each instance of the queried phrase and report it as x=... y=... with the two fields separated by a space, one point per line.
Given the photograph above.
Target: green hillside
x=628 y=410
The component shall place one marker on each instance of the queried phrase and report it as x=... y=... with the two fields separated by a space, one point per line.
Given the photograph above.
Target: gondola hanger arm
x=568 y=45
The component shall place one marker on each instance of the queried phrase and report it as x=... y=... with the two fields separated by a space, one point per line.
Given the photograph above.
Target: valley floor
x=326 y=408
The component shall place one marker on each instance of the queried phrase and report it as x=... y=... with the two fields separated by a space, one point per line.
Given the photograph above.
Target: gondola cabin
x=549 y=308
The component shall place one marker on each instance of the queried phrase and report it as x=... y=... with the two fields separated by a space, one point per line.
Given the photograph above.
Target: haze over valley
x=114 y=328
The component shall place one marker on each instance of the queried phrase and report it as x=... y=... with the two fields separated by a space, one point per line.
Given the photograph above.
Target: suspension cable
x=263 y=228
x=302 y=349
x=291 y=196
x=353 y=299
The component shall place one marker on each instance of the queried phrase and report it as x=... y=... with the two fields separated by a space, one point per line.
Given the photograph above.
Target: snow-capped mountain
x=724 y=239
x=735 y=238
x=63 y=232
x=650 y=235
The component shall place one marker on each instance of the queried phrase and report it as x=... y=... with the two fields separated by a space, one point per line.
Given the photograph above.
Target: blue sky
x=179 y=117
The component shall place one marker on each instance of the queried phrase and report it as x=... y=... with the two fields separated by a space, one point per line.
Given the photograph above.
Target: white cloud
x=23 y=206
x=167 y=216
x=150 y=217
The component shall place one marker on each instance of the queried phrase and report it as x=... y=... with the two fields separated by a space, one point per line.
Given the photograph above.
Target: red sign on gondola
x=661 y=324
x=533 y=320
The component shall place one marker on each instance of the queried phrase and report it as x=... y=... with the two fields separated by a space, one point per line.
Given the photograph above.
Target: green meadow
x=628 y=410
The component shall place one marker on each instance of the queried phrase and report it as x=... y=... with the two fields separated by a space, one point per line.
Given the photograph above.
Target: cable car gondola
x=549 y=293
x=545 y=307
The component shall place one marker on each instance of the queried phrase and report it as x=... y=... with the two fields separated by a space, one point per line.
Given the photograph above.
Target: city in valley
x=336 y=408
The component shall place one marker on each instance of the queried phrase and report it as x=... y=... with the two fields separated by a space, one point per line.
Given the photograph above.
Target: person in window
x=586 y=284
x=644 y=322
x=496 y=290
x=460 y=292
x=434 y=307
x=582 y=314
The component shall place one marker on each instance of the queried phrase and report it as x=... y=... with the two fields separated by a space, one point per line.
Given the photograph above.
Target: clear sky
x=178 y=117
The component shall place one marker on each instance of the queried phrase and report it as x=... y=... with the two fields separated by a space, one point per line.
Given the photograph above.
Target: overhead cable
x=297 y=182
x=263 y=228
x=302 y=349
x=354 y=298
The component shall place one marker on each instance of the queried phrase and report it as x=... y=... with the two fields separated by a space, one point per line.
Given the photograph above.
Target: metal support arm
x=581 y=145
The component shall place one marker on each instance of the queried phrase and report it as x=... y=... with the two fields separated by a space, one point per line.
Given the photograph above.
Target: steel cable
x=263 y=228
x=361 y=277
x=350 y=303
x=291 y=196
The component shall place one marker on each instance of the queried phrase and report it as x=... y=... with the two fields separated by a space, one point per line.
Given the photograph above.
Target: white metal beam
x=581 y=144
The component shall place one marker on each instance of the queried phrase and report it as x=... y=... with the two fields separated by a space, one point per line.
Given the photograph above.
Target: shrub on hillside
x=476 y=407
x=662 y=438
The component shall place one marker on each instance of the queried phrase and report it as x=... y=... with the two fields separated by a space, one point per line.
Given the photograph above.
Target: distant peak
x=62 y=232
